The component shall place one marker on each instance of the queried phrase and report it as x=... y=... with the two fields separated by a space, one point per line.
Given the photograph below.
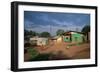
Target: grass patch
x=40 y=57
x=33 y=52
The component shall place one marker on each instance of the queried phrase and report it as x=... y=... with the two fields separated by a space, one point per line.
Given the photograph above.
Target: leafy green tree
x=45 y=34
x=60 y=32
x=28 y=34
x=32 y=33
x=86 y=29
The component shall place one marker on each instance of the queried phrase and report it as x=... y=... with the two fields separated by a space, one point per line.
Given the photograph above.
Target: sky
x=52 y=21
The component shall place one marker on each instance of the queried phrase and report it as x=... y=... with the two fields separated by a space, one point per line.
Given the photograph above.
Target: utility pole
x=50 y=28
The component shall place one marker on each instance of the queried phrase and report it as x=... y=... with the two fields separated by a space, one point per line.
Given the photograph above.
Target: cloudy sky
x=52 y=21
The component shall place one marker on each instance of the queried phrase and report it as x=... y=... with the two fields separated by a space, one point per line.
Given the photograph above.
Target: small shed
x=57 y=39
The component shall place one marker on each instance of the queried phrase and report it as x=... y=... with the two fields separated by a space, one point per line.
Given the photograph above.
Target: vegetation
x=27 y=45
x=49 y=56
x=36 y=56
x=28 y=34
x=32 y=52
x=40 y=57
x=86 y=29
x=45 y=34
x=33 y=33
x=60 y=32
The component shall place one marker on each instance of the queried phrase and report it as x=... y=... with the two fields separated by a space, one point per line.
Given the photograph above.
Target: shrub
x=33 y=52
x=25 y=51
x=27 y=45
x=40 y=57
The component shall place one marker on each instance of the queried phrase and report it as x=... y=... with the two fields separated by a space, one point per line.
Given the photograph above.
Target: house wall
x=66 y=39
x=39 y=41
x=33 y=40
x=59 y=40
x=76 y=37
x=42 y=41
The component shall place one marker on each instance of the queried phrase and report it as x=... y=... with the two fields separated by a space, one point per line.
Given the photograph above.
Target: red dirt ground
x=75 y=51
x=81 y=51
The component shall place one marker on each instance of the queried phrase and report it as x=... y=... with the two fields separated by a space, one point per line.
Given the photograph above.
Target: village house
x=40 y=41
x=73 y=36
x=70 y=36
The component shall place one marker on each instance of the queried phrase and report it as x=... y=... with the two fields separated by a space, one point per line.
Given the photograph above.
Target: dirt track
x=73 y=52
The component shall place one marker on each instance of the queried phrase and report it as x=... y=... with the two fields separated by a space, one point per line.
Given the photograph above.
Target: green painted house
x=73 y=36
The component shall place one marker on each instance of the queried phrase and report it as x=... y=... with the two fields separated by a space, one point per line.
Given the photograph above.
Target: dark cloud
x=33 y=19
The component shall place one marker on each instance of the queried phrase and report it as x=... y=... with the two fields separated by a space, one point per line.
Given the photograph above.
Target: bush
x=40 y=57
x=33 y=52
x=25 y=51
x=27 y=45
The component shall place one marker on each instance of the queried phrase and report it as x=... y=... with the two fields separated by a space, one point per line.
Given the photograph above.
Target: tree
x=45 y=34
x=86 y=29
x=32 y=33
x=26 y=32
x=60 y=32
x=26 y=35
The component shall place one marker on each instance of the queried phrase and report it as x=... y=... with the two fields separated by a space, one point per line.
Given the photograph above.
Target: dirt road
x=74 y=52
